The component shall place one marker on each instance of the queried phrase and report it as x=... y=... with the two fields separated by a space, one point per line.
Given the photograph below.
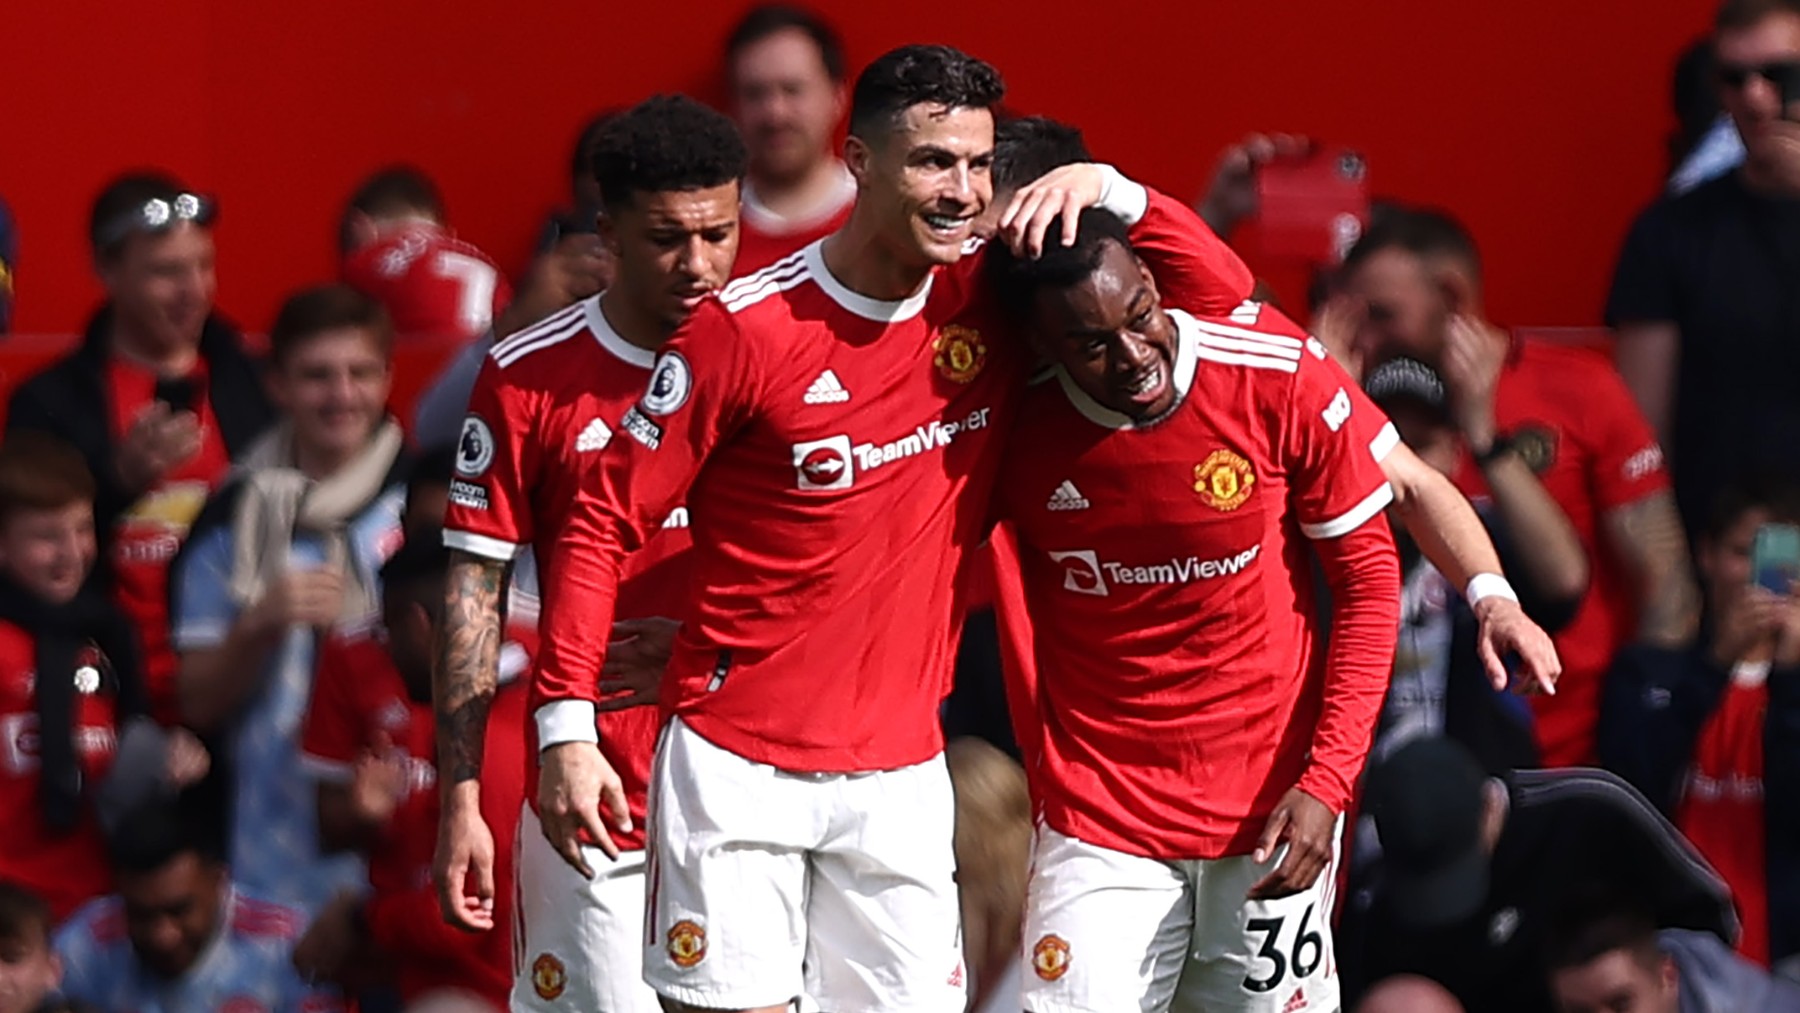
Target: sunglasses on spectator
x=1736 y=76
x=157 y=215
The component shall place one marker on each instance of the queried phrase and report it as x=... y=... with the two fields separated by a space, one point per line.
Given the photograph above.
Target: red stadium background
x=1542 y=126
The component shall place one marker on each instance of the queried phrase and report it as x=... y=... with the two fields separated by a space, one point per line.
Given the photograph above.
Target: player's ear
x=857 y=156
x=608 y=231
x=1149 y=279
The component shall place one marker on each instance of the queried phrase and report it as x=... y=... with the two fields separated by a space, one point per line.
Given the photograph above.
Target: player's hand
x=159 y=441
x=1503 y=628
x=1471 y=370
x=378 y=783
x=465 y=849
x=1232 y=196
x=1060 y=193
x=574 y=786
x=1306 y=825
x=636 y=658
x=187 y=761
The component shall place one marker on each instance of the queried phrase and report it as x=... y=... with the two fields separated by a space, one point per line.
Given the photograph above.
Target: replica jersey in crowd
x=1574 y=423
x=765 y=237
x=433 y=284
x=840 y=451
x=360 y=705
x=65 y=869
x=274 y=845
x=247 y=968
x=1721 y=806
x=1168 y=572
x=544 y=407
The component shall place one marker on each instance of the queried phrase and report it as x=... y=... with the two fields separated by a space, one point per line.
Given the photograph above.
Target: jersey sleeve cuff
x=561 y=721
x=1124 y=198
x=1352 y=519
x=495 y=549
x=1384 y=442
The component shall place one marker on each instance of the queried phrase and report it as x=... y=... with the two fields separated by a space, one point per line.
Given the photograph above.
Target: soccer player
x=1171 y=480
x=546 y=404
x=835 y=417
x=399 y=251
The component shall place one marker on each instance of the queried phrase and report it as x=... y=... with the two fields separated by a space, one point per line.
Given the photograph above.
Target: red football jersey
x=1169 y=577
x=1721 y=808
x=765 y=237
x=541 y=412
x=433 y=284
x=1579 y=429
x=151 y=531
x=360 y=704
x=66 y=870
x=840 y=450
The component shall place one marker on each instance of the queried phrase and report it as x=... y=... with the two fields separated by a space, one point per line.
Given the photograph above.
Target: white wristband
x=1488 y=585
x=1122 y=196
x=561 y=721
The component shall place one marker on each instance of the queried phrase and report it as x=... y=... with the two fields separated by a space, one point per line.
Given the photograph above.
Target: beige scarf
x=277 y=501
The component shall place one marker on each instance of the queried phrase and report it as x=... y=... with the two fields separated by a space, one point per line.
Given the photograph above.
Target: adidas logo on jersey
x=1067 y=497
x=595 y=437
x=826 y=390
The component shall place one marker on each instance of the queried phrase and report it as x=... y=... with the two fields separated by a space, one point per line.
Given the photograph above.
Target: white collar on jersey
x=883 y=310
x=759 y=214
x=609 y=339
x=1187 y=358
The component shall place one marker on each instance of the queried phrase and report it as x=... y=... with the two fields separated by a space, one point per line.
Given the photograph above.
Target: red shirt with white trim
x=360 y=706
x=68 y=869
x=1168 y=572
x=1721 y=807
x=1574 y=422
x=433 y=284
x=546 y=404
x=840 y=451
x=765 y=237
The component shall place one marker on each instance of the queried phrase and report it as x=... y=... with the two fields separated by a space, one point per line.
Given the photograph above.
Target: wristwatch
x=1502 y=445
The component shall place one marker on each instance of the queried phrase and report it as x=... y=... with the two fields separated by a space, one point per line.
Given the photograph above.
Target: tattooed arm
x=1646 y=536
x=463 y=682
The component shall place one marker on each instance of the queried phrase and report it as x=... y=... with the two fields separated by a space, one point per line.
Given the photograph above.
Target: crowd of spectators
x=221 y=579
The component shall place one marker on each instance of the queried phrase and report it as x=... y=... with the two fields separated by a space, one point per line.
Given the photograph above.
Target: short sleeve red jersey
x=433 y=284
x=1721 y=807
x=359 y=705
x=1168 y=573
x=765 y=237
x=1575 y=423
x=841 y=451
x=65 y=869
x=547 y=402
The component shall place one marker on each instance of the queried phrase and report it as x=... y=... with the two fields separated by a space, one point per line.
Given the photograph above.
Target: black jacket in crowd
x=1567 y=832
x=1657 y=701
x=70 y=400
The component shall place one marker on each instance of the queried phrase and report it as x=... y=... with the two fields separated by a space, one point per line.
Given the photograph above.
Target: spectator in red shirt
x=785 y=70
x=1708 y=734
x=369 y=738
x=1412 y=287
x=159 y=398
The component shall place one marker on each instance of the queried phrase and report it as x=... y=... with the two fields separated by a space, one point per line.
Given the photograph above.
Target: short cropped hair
x=1737 y=15
x=1026 y=147
x=666 y=143
x=124 y=195
x=1427 y=233
x=398 y=190
x=156 y=832
x=41 y=472
x=902 y=78
x=1017 y=280
x=311 y=312
x=1779 y=495
x=769 y=19
x=1597 y=922
x=24 y=916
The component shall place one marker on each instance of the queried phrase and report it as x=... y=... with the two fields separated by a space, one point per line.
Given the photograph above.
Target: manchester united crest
x=960 y=353
x=687 y=943
x=1050 y=957
x=548 y=977
x=1224 y=480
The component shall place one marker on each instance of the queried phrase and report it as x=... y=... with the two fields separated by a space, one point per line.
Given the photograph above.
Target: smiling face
x=673 y=248
x=926 y=179
x=162 y=286
x=1110 y=334
x=334 y=389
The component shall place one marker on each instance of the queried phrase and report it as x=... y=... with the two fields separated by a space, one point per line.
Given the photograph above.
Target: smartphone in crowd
x=180 y=393
x=1775 y=558
x=1312 y=208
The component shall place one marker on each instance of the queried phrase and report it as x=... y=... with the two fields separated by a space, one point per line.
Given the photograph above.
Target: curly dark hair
x=667 y=142
x=902 y=78
x=1016 y=280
